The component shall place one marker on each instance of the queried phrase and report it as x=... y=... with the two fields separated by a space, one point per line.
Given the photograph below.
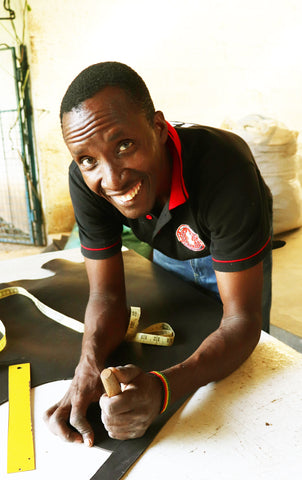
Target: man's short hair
x=107 y=74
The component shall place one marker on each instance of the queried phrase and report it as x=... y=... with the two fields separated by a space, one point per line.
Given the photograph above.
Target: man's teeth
x=131 y=194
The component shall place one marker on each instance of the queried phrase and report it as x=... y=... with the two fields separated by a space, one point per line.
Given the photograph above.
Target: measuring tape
x=158 y=334
x=20 y=443
x=49 y=312
x=2 y=336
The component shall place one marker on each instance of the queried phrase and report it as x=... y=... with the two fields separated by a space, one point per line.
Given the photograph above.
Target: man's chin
x=131 y=212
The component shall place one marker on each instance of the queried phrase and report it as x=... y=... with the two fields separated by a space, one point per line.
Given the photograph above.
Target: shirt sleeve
x=239 y=217
x=100 y=224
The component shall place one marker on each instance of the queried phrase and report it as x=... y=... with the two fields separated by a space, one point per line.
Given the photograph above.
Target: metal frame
x=36 y=233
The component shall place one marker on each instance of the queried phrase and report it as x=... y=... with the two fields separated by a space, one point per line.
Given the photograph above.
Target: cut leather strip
x=126 y=452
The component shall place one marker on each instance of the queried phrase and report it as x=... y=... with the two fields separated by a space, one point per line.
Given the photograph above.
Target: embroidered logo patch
x=189 y=238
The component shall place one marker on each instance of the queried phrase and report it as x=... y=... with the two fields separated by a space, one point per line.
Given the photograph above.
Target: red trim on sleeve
x=179 y=194
x=99 y=249
x=246 y=258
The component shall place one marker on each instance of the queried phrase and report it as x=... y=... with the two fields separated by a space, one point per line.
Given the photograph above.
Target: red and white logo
x=189 y=238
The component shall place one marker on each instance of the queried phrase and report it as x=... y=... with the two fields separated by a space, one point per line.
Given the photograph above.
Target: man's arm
x=106 y=322
x=217 y=356
x=230 y=345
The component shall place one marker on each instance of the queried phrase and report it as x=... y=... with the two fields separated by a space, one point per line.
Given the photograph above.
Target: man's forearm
x=218 y=356
x=106 y=322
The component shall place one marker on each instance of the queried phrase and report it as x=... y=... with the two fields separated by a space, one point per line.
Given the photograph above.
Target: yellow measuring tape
x=158 y=334
x=2 y=336
x=49 y=312
x=20 y=444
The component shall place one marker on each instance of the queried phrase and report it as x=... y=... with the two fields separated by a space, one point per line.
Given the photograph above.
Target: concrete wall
x=203 y=62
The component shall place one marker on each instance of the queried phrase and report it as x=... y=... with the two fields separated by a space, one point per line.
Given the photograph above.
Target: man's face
x=120 y=155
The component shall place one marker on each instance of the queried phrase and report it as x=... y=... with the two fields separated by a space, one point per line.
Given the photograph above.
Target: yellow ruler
x=20 y=444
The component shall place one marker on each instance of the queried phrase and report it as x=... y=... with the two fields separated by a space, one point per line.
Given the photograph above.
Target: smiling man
x=193 y=193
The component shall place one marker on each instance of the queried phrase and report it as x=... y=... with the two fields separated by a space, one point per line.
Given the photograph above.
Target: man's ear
x=160 y=126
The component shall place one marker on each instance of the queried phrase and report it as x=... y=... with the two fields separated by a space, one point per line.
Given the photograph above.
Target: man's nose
x=106 y=177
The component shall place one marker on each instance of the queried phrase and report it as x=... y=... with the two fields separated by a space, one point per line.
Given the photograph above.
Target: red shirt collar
x=178 y=194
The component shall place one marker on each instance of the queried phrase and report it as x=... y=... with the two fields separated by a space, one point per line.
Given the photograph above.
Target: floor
x=286 y=315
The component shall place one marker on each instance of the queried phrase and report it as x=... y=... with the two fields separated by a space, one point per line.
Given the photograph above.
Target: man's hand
x=86 y=388
x=129 y=414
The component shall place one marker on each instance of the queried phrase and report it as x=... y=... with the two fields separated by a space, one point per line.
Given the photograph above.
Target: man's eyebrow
x=79 y=152
x=115 y=135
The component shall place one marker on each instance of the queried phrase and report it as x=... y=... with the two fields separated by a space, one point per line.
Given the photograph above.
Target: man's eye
x=87 y=162
x=125 y=145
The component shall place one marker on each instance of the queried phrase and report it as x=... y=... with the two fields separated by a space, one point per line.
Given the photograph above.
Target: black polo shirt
x=219 y=205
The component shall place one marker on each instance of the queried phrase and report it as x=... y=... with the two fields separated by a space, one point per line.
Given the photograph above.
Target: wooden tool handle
x=110 y=382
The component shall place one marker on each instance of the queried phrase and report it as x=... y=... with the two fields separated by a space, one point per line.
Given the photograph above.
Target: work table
x=248 y=425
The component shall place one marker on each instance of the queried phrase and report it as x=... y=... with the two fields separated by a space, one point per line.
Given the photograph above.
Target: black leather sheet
x=53 y=350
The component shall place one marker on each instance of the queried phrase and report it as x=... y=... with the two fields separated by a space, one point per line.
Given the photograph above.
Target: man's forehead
x=109 y=101
x=110 y=98
x=79 y=126
x=96 y=115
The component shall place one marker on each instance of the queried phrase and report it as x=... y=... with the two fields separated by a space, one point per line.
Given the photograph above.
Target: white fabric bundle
x=274 y=147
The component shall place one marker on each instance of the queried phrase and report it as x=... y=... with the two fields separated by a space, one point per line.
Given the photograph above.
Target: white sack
x=274 y=147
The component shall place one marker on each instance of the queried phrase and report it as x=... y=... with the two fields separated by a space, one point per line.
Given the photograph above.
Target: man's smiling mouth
x=127 y=197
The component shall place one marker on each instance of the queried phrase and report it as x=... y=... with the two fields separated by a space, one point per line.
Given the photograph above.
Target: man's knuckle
x=46 y=416
x=75 y=420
